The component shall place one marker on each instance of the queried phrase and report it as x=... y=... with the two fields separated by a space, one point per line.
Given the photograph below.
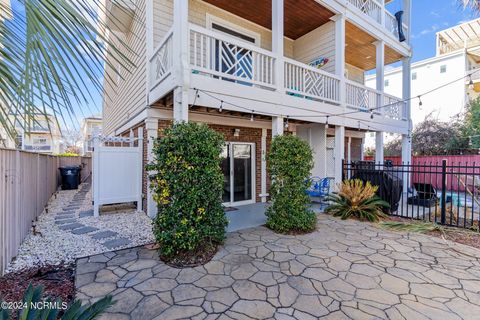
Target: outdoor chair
x=319 y=188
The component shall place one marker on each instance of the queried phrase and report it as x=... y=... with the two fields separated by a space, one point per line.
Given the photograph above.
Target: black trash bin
x=70 y=177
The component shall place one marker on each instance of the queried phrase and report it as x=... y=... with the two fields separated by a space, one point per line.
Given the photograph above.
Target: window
x=443 y=68
x=414 y=76
x=387 y=83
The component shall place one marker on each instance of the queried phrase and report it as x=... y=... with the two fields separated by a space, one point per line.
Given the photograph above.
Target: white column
x=181 y=64
x=339 y=152
x=382 y=12
x=149 y=43
x=379 y=147
x=362 y=148
x=263 y=175
x=151 y=125
x=277 y=42
x=407 y=15
x=339 y=20
x=406 y=138
x=277 y=126
x=316 y=136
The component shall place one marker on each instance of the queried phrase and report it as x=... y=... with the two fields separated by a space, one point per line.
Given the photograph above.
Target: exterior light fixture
x=221 y=107
x=286 y=123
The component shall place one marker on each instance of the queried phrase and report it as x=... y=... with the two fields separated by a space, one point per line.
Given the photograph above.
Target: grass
x=418 y=227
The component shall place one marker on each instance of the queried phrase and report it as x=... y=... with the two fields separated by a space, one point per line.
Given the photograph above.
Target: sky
x=429 y=17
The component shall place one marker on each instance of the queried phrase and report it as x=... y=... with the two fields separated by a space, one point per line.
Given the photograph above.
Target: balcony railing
x=361 y=97
x=219 y=56
x=373 y=9
x=310 y=82
x=394 y=108
x=162 y=60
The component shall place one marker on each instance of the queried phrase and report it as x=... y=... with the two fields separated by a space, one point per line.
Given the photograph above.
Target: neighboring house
x=254 y=69
x=457 y=55
x=41 y=135
x=91 y=127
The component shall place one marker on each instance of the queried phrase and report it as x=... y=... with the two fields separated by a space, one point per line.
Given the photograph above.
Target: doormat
x=226 y=209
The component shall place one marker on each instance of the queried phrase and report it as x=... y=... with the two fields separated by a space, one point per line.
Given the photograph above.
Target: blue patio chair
x=319 y=187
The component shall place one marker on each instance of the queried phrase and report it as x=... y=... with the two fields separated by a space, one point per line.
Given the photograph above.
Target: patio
x=345 y=269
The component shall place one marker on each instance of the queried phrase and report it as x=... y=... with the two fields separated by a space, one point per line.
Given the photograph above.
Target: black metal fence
x=444 y=193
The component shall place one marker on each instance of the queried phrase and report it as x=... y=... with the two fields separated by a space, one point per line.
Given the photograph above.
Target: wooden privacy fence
x=27 y=181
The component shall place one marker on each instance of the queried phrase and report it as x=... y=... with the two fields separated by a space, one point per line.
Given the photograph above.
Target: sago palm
x=358 y=200
x=52 y=53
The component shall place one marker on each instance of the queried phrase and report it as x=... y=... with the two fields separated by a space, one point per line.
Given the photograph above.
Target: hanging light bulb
x=420 y=103
x=251 y=116
x=286 y=123
x=221 y=106
x=326 y=123
x=368 y=129
x=358 y=125
x=470 y=83
x=371 y=113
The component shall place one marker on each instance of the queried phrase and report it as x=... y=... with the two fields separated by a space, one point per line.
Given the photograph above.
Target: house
x=457 y=55
x=255 y=69
x=41 y=135
x=91 y=127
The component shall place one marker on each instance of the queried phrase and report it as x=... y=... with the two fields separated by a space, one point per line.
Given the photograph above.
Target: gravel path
x=67 y=230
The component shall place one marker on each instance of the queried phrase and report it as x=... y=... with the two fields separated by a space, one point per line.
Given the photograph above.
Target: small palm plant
x=36 y=307
x=358 y=200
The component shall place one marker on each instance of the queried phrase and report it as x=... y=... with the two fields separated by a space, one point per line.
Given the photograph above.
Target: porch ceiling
x=301 y=16
x=360 y=50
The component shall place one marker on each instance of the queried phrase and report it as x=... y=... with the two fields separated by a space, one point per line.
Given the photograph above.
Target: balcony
x=374 y=11
x=218 y=57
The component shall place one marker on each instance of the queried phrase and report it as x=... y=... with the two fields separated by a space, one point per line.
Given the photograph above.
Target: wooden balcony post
x=406 y=138
x=339 y=20
x=379 y=147
x=180 y=60
x=277 y=126
x=382 y=13
x=151 y=126
x=277 y=43
x=407 y=14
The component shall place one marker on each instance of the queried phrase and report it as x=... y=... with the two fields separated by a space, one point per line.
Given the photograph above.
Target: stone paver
x=115 y=243
x=103 y=235
x=84 y=230
x=343 y=270
x=65 y=221
x=86 y=213
x=71 y=226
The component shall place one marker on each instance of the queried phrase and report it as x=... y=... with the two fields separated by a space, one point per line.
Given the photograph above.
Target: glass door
x=239 y=175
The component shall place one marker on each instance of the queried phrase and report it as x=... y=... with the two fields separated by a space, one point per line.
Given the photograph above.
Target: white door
x=238 y=166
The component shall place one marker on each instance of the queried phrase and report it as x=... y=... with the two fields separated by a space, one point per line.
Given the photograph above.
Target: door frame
x=232 y=203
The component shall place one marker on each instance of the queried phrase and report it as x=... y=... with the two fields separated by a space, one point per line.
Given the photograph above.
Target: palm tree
x=51 y=55
x=472 y=4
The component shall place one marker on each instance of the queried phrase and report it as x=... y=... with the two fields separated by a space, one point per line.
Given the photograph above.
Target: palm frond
x=52 y=54
x=420 y=227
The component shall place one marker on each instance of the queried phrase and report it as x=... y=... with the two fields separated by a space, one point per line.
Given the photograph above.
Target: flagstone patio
x=345 y=269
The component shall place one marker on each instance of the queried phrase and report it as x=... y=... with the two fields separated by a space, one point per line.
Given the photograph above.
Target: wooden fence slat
x=27 y=181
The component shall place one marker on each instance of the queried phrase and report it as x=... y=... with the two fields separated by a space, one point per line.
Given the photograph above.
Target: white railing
x=361 y=97
x=391 y=25
x=393 y=107
x=371 y=8
x=220 y=56
x=161 y=62
x=306 y=81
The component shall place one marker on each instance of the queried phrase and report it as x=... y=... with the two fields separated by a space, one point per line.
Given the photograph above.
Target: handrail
x=162 y=43
x=306 y=66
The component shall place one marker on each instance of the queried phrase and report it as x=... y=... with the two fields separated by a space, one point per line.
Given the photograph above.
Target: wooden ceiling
x=360 y=50
x=301 y=16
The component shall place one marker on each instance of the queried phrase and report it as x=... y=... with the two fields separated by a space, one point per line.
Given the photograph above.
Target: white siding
x=315 y=44
x=162 y=19
x=125 y=97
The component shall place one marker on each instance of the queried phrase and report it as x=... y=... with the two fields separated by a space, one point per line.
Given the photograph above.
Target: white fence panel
x=117 y=171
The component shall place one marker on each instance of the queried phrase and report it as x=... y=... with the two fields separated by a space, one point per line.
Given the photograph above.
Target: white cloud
x=432 y=28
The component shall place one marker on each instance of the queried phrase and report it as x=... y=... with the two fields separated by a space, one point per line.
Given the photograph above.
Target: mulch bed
x=57 y=281
x=188 y=259
x=463 y=236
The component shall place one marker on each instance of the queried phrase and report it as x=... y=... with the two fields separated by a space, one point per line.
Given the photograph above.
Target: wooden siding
x=126 y=95
x=355 y=74
x=162 y=19
x=315 y=44
x=198 y=15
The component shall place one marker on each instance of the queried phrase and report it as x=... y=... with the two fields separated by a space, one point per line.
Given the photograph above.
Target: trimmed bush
x=187 y=185
x=290 y=162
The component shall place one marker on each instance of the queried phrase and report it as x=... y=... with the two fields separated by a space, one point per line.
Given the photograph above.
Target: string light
x=371 y=113
x=221 y=107
x=358 y=125
x=470 y=83
x=195 y=100
x=286 y=123
x=368 y=129
x=420 y=103
x=326 y=123
x=251 y=115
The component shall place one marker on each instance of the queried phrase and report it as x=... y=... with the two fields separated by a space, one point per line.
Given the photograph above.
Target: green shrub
x=34 y=297
x=289 y=164
x=187 y=186
x=358 y=200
